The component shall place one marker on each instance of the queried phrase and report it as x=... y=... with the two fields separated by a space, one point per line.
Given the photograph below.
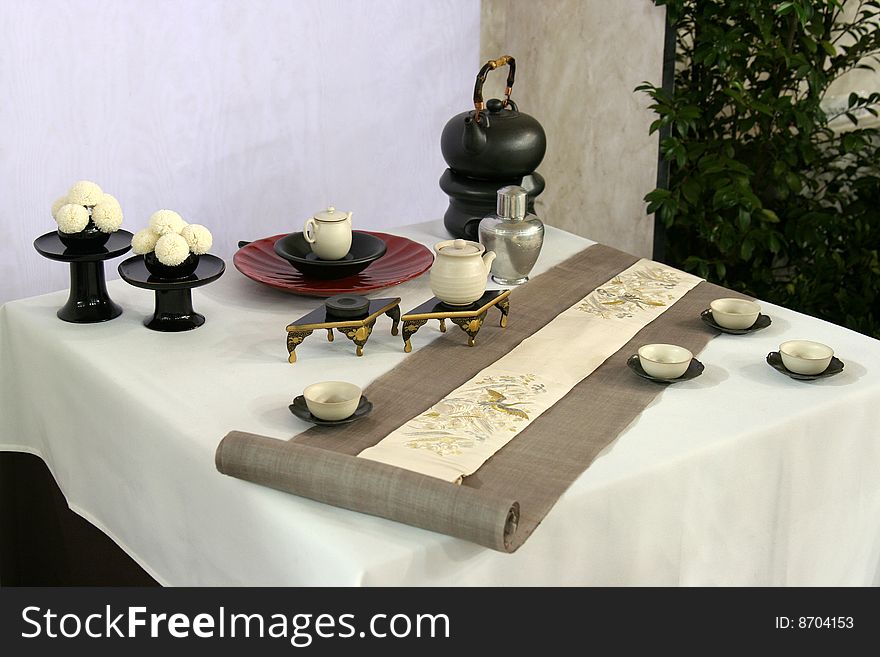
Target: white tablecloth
x=741 y=476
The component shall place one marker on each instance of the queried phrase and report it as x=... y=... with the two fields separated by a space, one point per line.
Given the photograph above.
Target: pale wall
x=246 y=116
x=577 y=64
x=862 y=81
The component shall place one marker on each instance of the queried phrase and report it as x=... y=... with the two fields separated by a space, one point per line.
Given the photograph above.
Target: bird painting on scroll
x=632 y=292
x=487 y=406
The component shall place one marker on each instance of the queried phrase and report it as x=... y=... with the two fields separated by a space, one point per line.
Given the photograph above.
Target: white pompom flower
x=198 y=237
x=164 y=222
x=85 y=192
x=71 y=218
x=107 y=214
x=143 y=241
x=109 y=198
x=62 y=200
x=171 y=249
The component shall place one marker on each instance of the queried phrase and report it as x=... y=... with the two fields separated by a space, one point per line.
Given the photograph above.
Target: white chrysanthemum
x=85 y=192
x=107 y=214
x=58 y=203
x=166 y=221
x=72 y=218
x=109 y=198
x=198 y=237
x=171 y=249
x=143 y=241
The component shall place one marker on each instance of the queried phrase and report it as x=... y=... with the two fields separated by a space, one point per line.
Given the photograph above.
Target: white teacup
x=805 y=356
x=664 y=361
x=734 y=313
x=329 y=234
x=332 y=400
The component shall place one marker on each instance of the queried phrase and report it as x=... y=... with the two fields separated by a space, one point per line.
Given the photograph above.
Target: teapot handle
x=491 y=65
x=310 y=230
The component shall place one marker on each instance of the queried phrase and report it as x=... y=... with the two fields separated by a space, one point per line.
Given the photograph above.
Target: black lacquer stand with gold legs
x=357 y=330
x=469 y=318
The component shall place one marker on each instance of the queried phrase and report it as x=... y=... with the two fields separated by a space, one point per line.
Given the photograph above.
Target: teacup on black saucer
x=301 y=410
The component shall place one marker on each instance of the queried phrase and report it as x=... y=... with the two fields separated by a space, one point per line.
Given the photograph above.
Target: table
x=739 y=477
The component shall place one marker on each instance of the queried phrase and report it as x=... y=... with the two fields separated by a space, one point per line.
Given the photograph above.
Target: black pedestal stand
x=174 y=311
x=89 y=301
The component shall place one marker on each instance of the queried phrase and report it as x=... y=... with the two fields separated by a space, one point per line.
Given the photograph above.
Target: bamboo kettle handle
x=491 y=65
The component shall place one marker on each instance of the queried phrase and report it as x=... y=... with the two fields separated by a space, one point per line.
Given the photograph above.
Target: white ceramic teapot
x=458 y=275
x=329 y=233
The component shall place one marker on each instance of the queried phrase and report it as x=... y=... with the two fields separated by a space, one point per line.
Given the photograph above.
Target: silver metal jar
x=515 y=235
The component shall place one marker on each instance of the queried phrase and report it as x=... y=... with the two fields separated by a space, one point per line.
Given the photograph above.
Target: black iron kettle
x=494 y=141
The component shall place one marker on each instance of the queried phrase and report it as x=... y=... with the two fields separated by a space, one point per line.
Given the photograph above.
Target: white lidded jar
x=458 y=275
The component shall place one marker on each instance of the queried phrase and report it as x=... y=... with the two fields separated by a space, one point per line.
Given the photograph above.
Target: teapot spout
x=473 y=139
x=488 y=259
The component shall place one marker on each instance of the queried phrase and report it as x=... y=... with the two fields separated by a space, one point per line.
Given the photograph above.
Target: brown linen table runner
x=502 y=503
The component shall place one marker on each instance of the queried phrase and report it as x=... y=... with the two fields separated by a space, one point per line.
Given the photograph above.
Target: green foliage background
x=763 y=197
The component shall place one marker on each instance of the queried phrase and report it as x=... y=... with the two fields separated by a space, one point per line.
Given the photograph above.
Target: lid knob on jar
x=511 y=203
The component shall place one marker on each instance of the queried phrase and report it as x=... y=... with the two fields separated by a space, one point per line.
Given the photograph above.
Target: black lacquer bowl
x=184 y=269
x=88 y=239
x=365 y=249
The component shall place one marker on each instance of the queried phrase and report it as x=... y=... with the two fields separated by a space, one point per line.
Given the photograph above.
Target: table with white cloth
x=741 y=476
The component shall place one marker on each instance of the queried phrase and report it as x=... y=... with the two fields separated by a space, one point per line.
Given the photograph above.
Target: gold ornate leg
x=443 y=326
x=360 y=335
x=470 y=325
x=394 y=314
x=294 y=338
x=410 y=326
x=504 y=307
x=329 y=335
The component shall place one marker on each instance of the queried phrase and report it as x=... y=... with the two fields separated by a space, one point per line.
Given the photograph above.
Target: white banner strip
x=454 y=437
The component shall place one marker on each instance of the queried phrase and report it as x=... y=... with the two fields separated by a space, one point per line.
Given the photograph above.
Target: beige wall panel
x=577 y=64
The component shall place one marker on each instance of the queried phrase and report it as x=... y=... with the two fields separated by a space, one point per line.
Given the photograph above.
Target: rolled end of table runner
x=371 y=487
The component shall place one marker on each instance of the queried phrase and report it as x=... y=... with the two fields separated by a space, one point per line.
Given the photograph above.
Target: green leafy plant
x=763 y=196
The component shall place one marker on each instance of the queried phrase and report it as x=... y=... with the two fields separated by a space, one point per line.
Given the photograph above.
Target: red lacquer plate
x=404 y=260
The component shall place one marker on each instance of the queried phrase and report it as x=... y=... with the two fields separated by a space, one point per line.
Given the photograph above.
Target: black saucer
x=134 y=271
x=299 y=408
x=365 y=249
x=763 y=321
x=50 y=246
x=693 y=371
x=774 y=359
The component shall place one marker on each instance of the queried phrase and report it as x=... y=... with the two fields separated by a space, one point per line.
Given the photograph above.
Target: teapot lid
x=459 y=248
x=331 y=214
